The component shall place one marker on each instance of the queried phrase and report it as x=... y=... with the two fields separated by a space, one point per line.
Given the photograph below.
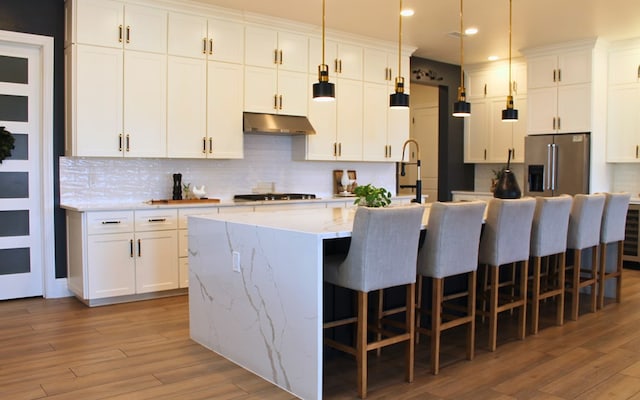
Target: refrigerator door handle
x=554 y=149
x=547 y=168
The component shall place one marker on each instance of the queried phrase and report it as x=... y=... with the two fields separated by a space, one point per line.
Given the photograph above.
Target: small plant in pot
x=371 y=196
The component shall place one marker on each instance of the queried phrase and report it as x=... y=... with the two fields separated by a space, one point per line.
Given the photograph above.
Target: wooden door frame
x=52 y=287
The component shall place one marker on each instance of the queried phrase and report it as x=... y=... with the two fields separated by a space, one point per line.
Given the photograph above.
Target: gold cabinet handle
x=554 y=75
x=559 y=123
x=335 y=149
x=139 y=248
x=275 y=56
x=554 y=123
x=485 y=154
x=513 y=152
x=485 y=89
x=120 y=142
x=340 y=149
x=210 y=145
x=559 y=75
x=128 y=147
x=340 y=64
x=280 y=102
x=335 y=65
x=204 y=45
x=515 y=87
x=128 y=34
x=204 y=145
x=210 y=46
x=281 y=59
x=131 y=248
x=120 y=33
x=637 y=151
x=275 y=101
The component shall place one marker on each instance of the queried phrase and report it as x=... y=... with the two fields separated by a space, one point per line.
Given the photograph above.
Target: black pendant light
x=323 y=90
x=510 y=114
x=399 y=99
x=461 y=108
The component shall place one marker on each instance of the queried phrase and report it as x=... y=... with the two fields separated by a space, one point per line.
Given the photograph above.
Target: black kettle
x=507 y=186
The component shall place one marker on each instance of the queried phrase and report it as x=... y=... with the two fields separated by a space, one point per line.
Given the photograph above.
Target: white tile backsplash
x=267 y=158
x=626 y=178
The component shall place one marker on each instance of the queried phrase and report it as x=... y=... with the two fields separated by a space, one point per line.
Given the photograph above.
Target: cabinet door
x=294 y=91
x=543 y=109
x=349 y=61
x=187 y=36
x=187 y=107
x=477 y=84
x=519 y=78
x=541 y=71
x=145 y=104
x=110 y=265
x=575 y=67
x=260 y=91
x=322 y=115
x=98 y=101
x=224 y=110
x=156 y=261
x=519 y=129
x=624 y=67
x=623 y=124
x=226 y=41
x=349 y=119
x=100 y=22
x=501 y=133
x=145 y=29
x=315 y=57
x=260 y=47
x=375 y=108
x=397 y=131
x=376 y=66
x=294 y=52
x=476 y=133
x=574 y=108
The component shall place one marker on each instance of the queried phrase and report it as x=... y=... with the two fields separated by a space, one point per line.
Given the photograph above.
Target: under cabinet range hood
x=276 y=124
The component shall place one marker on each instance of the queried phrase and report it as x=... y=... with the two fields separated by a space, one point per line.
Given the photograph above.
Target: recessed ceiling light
x=470 y=31
x=492 y=58
x=407 y=12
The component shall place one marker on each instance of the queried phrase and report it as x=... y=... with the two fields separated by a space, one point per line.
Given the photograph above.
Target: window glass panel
x=15 y=261
x=14 y=223
x=14 y=108
x=14 y=70
x=14 y=185
x=21 y=144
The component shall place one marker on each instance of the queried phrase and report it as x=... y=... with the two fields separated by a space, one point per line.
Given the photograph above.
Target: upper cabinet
x=275 y=71
x=345 y=60
x=623 y=126
x=115 y=24
x=493 y=80
x=559 y=90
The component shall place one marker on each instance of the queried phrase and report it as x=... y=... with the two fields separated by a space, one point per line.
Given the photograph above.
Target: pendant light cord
x=323 y=18
x=461 y=49
x=400 y=41
x=510 y=84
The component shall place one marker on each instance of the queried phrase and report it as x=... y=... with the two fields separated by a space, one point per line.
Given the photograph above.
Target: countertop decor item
x=6 y=143
x=371 y=196
x=507 y=186
x=344 y=185
x=177 y=186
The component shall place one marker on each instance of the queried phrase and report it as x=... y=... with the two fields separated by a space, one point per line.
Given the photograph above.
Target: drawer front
x=183 y=243
x=183 y=213
x=99 y=222
x=156 y=220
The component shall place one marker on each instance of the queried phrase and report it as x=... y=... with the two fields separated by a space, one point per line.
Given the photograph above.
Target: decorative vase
x=345 y=181
x=177 y=186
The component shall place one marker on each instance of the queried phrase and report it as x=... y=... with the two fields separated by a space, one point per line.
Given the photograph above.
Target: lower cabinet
x=631 y=250
x=122 y=253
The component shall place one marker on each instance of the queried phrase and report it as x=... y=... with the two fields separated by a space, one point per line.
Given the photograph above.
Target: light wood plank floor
x=60 y=349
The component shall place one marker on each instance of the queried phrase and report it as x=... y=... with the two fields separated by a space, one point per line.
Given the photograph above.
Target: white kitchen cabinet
x=382 y=67
x=623 y=119
x=205 y=38
x=345 y=60
x=492 y=79
x=118 y=25
x=559 y=89
x=204 y=117
x=476 y=133
x=386 y=128
x=122 y=253
x=275 y=72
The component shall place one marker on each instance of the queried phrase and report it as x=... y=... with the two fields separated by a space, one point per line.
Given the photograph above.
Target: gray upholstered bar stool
x=549 y=238
x=505 y=241
x=382 y=254
x=450 y=248
x=584 y=233
x=614 y=220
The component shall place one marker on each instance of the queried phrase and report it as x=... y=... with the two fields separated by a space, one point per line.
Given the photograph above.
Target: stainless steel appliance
x=556 y=164
x=273 y=196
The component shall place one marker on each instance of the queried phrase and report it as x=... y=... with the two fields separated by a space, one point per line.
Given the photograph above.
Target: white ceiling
x=535 y=22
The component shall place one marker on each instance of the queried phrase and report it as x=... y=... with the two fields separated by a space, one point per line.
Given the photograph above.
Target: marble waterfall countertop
x=256 y=290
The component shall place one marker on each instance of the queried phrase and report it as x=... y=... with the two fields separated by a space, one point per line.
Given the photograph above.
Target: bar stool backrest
x=614 y=217
x=550 y=225
x=585 y=221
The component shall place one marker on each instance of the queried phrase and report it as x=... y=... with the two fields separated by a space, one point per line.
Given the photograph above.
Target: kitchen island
x=255 y=292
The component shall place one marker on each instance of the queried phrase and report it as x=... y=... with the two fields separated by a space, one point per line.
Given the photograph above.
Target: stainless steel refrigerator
x=556 y=164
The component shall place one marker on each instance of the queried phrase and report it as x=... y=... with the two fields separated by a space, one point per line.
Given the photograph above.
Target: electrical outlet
x=236 y=261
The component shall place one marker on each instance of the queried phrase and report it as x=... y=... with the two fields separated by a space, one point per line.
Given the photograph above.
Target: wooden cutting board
x=185 y=201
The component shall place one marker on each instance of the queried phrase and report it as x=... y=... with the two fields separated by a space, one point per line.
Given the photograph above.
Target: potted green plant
x=6 y=143
x=371 y=196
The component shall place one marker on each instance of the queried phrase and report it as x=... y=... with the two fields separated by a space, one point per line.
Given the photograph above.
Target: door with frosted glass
x=20 y=198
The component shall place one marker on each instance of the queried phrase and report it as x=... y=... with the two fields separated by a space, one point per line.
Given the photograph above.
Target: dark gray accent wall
x=46 y=17
x=453 y=173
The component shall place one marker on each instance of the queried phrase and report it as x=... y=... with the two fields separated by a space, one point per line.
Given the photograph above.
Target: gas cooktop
x=273 y=196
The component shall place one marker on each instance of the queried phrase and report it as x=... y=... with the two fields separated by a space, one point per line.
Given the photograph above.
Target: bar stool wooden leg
x=619 y=266
x=575 y=284
x=379 y=319
x=493 y=308
x=418 y=305
x=411 y=329
x=471 y=310
x=601 y=274
x=522 y=317
x=594 y=276
x=436 y=320
x=361 y=344
x=560 y=302
x=535 y=295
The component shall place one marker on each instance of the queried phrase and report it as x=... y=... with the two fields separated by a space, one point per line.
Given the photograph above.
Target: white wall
x=267 y=158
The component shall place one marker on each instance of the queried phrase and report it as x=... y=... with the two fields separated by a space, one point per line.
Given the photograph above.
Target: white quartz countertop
x=324 y=222
x=112 y=206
